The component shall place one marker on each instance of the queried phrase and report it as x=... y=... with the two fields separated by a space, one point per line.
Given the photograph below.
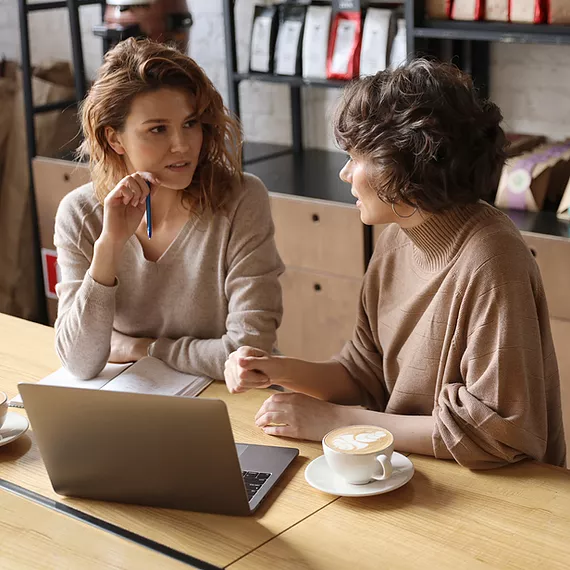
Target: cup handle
x=386 y=466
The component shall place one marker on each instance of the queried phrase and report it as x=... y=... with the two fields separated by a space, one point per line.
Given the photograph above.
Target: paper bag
x=524 y=183
x=497 y=10
x=559 y=12
x=527 y=11
x=438 y=9
x=467 y=10
x=56 y=133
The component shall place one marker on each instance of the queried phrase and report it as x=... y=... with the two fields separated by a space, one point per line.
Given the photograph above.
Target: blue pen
x=148 y=218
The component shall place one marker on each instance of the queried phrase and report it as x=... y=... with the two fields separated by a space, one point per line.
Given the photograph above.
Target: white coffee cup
x=3 y=408
x=359 y=454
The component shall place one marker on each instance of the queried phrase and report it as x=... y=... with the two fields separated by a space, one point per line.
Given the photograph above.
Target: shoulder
x=249 y=198
x=497 y=246
x=79 y=212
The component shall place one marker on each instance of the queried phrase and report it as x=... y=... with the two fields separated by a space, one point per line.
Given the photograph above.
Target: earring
x=403 y=217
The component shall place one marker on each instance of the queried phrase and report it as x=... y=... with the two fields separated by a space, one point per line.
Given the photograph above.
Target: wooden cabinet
x=322 y=246
x=53 y=179
x=561 y=336
x=319 y=313
x=553 y=257
x=319 y=236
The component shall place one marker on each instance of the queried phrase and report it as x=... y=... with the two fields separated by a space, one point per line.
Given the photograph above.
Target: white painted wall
x=531 y=83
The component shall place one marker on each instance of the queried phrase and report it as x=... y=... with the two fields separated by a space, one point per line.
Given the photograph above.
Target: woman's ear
x=114 y=140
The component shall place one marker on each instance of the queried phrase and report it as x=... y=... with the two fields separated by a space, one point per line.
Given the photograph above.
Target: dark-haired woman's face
x=357 y=172
x=161 y=136
x=372 y=210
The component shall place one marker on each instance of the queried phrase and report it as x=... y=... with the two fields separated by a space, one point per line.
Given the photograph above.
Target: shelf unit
x=25 y=9
x=466 y=43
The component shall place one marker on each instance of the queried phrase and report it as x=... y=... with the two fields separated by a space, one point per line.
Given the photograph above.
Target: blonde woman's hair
x=134 y=67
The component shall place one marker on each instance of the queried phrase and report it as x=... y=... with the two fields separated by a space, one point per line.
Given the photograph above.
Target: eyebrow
x=162 y=121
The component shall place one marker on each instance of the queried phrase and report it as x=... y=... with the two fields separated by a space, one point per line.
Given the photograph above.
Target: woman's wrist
x=106 y=255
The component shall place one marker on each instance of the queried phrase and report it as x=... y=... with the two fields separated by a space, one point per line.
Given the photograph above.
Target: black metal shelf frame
x=24 y=9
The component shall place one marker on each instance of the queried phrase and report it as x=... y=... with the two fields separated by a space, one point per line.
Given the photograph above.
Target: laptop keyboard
x=253 y=482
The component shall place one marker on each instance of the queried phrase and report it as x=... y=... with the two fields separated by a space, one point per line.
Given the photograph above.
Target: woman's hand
x=300 y=416
x=124 y=207
x=128 y=348
x=248 y=368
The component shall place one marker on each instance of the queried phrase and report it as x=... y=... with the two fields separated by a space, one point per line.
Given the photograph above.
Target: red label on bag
x=51 y=272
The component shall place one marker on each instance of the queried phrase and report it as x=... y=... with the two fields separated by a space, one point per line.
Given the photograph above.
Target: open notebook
x=147 y=376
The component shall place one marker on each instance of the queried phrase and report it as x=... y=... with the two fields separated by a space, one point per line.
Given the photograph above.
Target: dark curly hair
x=431 y=140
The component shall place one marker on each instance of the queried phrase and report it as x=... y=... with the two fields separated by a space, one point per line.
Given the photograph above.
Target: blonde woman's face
x=161 y=136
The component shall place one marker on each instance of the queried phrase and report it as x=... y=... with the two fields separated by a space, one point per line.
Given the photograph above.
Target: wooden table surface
x=34 y=536
x=217 y=539
x=445 y=517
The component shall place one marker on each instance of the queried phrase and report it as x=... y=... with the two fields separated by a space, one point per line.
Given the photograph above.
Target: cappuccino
x=358 y=440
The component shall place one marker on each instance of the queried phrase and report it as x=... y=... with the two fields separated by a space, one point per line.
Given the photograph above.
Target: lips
x=178 y=166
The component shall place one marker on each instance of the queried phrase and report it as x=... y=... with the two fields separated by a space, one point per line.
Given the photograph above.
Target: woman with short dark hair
x=452 y=350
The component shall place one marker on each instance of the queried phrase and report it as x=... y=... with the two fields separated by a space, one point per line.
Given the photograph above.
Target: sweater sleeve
x=362 y=356
x=85 y=308
x=496 y=413
x=252 y=290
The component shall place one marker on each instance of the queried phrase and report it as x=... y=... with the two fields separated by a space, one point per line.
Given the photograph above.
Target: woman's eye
x=190 y=124
x=159 y=129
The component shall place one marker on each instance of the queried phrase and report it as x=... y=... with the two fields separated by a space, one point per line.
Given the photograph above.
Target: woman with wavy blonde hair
x=207 y=281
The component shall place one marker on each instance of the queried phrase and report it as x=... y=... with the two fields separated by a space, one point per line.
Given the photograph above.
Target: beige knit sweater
x=453 y=323
x=215 y=289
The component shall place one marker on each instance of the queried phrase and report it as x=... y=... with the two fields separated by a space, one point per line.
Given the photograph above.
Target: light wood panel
x=553 y=257
x=319 y=313
x=54 y=179
x=561 y=336
x=446 y=517
x=27 y=354
x=34 y=536
x=319 y=236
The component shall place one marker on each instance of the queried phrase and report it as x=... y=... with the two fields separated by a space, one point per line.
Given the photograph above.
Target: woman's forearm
x=412 y=434
x=103 y=268
x=328 y=381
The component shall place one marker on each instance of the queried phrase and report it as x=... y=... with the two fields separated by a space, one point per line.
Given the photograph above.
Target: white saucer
x=319 y=475
x=14 y=426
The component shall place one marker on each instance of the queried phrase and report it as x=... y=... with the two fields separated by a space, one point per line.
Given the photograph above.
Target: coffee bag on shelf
x=467 y=10
x=316 y=41
x=377 y=35
x=524 y=182
x=497 y=10
x=438 y=9
x=564 y=208
x=343 y=59
x=519 y=143
x=559 y=12
x=289 y=39
x=399 y=51
x=527 y=11
x=263 y=36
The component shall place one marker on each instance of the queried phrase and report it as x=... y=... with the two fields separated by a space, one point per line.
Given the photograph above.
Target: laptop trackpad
x=241 y=447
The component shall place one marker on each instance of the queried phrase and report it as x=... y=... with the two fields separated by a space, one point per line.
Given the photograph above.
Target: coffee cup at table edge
x=362 y=467
x=3 y=408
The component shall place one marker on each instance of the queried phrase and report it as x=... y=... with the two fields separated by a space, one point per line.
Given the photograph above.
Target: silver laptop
x=163 y=451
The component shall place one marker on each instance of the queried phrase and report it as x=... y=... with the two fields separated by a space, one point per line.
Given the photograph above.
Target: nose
x=180 y=141
x=346 y=172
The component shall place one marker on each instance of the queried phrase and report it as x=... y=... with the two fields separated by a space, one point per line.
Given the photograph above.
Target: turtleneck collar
x=440 y=236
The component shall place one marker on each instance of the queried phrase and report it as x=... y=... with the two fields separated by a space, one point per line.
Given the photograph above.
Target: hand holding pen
x=125 y=206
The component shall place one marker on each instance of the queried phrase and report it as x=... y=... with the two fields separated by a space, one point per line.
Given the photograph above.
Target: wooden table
x=34 y=536
x=445 y=517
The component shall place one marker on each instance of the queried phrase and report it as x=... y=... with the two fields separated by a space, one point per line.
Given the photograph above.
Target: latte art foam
x=358 y=440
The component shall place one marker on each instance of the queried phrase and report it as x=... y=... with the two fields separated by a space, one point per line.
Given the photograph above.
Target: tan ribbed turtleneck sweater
x=453 y=323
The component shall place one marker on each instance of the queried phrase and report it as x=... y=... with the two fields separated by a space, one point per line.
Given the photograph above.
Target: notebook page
x=152 y=376
x=62 y=377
